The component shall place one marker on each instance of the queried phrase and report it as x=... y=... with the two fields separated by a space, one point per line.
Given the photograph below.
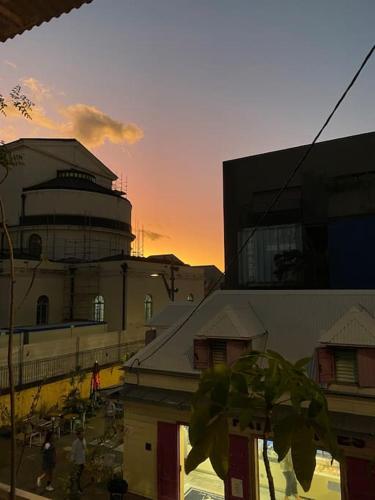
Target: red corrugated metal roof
x=17 y=16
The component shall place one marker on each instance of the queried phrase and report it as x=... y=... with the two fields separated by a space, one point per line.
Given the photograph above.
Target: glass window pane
x=257 y=260
x=325 y=484
x=202 y=483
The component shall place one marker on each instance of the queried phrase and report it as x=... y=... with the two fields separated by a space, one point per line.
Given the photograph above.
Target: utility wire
x=271 y=205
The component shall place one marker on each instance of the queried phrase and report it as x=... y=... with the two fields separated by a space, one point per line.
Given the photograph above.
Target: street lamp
x=169 y=286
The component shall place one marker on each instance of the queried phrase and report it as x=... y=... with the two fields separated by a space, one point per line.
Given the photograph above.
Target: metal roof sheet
x=17 y=16
x=291 y=321
x=355 y=328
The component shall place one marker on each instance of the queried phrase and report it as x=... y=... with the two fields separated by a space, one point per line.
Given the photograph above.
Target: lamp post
x=169 y=286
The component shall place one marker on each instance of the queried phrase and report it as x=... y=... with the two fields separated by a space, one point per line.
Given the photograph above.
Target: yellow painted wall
x=53 y=393
x=140 y=465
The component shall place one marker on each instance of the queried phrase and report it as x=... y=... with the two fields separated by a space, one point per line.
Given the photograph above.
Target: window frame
x=148 y=307
x=98 y=308
x=35 y=241
x=42 y=310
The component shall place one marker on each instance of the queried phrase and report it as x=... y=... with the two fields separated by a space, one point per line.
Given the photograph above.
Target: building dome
x=67 y=210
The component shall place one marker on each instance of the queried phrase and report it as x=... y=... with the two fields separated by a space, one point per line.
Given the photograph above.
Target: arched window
x=190 y=297
x=35 y=245
x=99 y=308
x=42 y=310
x=148 y=307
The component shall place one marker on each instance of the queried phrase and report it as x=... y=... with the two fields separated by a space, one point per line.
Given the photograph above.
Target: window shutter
x=366 y=367
x=219 y=352
x=201 y=354
x=346 y=366
x=326 y=365
x=235 y=349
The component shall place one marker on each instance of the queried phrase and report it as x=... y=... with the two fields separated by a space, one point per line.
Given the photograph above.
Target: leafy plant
x=261 y=385
x=24 y=106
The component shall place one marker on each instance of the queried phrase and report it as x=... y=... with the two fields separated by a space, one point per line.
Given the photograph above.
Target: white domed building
x=61 y=203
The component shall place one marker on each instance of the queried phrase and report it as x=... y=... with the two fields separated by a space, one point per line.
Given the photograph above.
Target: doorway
x=202 y=483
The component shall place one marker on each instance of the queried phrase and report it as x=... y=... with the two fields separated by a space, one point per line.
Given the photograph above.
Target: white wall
x=31 y=283
x=72 y=202
x=100 y=278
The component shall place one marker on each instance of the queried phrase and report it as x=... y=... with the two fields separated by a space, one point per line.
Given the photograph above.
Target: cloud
x=93 y=127
x=38 y=91
x=86 y=123
x=154 y=236
x=10 y=64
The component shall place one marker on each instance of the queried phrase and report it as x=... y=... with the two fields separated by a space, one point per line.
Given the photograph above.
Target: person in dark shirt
x=48 y=461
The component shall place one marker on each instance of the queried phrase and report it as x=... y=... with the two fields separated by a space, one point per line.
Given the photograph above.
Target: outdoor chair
x=31 y=433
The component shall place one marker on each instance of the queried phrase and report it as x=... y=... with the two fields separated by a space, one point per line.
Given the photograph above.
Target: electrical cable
x=270 y=207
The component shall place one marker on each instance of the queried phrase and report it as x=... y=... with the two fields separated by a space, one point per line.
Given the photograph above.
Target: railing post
x=77 y=354
x=20 y=360
x=119 y=346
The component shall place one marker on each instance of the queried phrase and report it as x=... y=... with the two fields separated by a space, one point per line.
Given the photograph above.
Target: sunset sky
x=163 y=91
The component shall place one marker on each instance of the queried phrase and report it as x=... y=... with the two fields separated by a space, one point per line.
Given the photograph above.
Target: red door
x=237 y=485
x=361 y=479
x=168 y=462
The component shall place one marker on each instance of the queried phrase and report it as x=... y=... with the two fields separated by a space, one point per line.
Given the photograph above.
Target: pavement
x=29 y=463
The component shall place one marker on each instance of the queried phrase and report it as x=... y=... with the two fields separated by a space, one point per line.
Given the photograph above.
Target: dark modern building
x=320 y=234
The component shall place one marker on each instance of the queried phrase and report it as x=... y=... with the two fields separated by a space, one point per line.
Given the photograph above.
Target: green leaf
x=315 y=407
x=198 y=453
x=219 y=452
x=282 y=435
x=199 y=420
x=302 y=363
x=303 y=454
x=272 y=355
x=239 y=383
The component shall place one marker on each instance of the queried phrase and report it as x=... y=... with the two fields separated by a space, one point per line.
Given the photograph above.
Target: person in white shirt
x=78 y=458
x=110 y=413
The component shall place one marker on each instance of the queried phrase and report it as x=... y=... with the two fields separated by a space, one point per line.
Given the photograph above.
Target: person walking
x=48 y=461
x=287 y=469
x=78 y=458
x=110 y=414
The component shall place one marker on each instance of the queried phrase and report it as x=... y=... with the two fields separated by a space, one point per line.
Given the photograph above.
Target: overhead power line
x=274 y=201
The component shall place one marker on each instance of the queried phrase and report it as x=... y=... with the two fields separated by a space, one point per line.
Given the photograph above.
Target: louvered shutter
x=326 y=365
x=201 y=354
x=218 y=352
x=346 y=366
x=366 y=367
x=235 y=349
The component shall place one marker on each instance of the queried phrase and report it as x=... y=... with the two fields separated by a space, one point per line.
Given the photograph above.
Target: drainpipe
x=23 y=198
x=124 y=268
x=72 y=271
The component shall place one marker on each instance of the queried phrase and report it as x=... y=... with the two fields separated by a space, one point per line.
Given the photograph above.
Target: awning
x=17 y=16
x=155 y=396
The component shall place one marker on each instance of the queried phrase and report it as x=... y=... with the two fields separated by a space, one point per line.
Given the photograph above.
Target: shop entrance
x=325 y=485
x=202 y=483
